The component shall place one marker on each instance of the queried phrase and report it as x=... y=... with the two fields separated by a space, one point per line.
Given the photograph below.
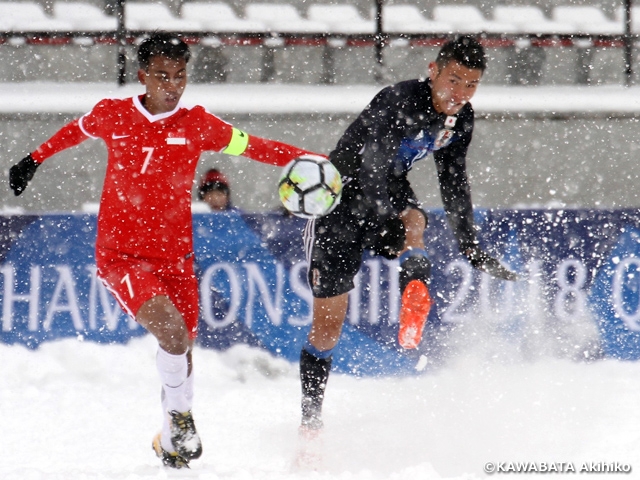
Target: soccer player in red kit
x=144 y=246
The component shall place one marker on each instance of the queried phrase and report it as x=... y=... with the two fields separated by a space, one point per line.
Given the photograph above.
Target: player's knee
x=163 y=320
x=415 y=223
x=175 y=343
x=414 y=267
x=173 y=336
x=415 y=218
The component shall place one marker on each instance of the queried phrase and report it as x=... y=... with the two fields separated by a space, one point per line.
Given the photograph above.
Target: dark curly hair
x=465 y=50
x=162 y=44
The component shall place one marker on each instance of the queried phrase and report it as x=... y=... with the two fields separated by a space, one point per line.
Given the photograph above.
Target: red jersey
x=145 y=208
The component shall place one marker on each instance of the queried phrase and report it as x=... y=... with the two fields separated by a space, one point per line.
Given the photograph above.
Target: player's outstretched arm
x=21 y=174
x=220 y=136
x=456 y=197
x=273 y=152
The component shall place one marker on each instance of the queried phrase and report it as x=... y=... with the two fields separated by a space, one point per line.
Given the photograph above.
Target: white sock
x=189 y=390
x=188 y=394
x=165 y=438
x=173 y=376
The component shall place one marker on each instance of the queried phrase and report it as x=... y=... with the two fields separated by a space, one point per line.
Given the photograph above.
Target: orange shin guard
x=416 y=303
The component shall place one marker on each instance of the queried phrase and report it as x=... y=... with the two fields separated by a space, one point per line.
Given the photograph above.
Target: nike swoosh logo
x=116 y=137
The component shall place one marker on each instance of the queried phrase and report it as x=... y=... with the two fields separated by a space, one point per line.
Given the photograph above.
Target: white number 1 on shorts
x=127 y=280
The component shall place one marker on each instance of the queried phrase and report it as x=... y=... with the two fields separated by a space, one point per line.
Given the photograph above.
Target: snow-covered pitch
x=75 y=410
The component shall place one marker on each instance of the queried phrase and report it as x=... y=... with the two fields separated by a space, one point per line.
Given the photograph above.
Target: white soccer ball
x=310 y=186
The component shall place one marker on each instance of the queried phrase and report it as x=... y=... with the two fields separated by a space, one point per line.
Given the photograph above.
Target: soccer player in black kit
x=379 y=210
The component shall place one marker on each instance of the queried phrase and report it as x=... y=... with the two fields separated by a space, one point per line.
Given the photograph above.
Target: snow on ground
x=77 y=410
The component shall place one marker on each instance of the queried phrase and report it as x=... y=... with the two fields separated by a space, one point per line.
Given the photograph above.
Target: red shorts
x=134 y=280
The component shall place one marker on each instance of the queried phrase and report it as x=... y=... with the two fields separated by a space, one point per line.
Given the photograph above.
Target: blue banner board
x=580 y=285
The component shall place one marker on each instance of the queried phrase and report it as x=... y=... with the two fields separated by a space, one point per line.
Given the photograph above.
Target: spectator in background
x=214 y=190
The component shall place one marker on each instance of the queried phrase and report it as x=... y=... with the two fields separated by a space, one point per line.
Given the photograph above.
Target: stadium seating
x=408 y=19
x=587 y=19
x=283 y=18
x=29 y=17
x=341 y=19
x=156 y=16
x=84 y=17
x=219 y=18
x=635 y=18
x=469 y=19
x=530 y=19
x=334 y=42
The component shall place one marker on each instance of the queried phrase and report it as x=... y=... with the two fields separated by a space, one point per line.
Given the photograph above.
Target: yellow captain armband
x=238 y=143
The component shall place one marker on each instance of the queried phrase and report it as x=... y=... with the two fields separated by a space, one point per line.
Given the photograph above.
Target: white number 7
x=149 y=151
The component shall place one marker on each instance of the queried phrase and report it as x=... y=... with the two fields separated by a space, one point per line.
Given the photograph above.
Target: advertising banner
x=578 y=297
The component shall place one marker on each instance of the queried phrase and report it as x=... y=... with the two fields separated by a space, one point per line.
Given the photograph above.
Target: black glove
x=390 y=240
x=21 y=173
x=487 y=264
x=416 y=267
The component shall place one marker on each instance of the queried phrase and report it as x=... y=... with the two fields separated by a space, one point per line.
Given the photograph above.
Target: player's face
x=452 y=86
x=165 y=80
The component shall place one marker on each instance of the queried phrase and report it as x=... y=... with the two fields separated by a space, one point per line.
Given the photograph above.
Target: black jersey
x=399 y=127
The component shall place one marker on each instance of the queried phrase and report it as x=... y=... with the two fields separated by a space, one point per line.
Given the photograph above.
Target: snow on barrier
x=579 y=296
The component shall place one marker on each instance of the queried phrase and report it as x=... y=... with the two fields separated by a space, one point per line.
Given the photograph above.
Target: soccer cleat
x=309 y=449
x=184 y=436
x=416 y=304
x=169 y=459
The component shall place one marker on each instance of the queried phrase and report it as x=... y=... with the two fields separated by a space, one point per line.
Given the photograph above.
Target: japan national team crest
x=443 y=138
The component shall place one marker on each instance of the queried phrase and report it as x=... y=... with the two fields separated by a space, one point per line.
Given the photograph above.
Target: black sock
x=314 y=373
x=416 y=267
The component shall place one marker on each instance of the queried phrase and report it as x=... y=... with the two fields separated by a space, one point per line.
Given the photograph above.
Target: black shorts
x=335 y=243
